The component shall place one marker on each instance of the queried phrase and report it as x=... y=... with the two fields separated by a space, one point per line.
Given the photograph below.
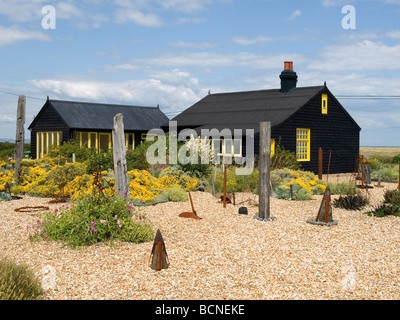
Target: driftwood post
x=119 y=153
x=20 y=136
x=264 y=172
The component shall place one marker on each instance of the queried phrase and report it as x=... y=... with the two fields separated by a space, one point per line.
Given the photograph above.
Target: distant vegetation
x=387 y=158
x=7 y=149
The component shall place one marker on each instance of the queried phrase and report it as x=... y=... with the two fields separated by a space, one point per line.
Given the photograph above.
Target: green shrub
x=392 y=197
x=385 y=209
x=396 y=159
x=283 y=192
x=18 y=282
x=176 y=194
x=283 y=158
x=389 y=172
x=351 y=202
x=5 y=196
x=94 y=219
x=343 y=188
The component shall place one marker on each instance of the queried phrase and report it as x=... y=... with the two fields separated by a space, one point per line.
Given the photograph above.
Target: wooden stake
x=119 y=152
x=320 y=158
x=20 y=136
x=398 y=187
x=224 y=199
x=264 y=171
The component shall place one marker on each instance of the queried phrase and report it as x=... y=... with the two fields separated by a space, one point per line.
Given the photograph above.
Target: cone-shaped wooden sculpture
x=159 y=257
x=191 y=214
x=324 y=216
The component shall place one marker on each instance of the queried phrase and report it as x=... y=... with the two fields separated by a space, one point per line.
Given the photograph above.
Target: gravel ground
x=222 y=256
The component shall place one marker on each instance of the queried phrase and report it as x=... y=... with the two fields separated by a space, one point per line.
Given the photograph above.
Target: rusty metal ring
x=29 y=209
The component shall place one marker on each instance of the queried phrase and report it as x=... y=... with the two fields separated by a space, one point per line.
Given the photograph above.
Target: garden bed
x=224 y=255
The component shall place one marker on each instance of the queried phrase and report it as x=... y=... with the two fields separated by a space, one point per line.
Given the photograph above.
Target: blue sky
x=172 y=52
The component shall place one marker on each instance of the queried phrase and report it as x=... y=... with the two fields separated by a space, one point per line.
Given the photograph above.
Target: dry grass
x=224 y=255
x=379 y=153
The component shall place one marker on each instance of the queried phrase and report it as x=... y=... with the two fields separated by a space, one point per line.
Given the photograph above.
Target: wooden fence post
x=398 y=187
x=264 y=172
x=320 y=154
x=119 y=152
x=20 y=136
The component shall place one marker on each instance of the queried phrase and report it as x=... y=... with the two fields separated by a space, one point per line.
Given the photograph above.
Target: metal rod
x=329 y=164
x=224 y=200
x=320 y=154
x=191 y=203
x=327 y=208
x=159 y=255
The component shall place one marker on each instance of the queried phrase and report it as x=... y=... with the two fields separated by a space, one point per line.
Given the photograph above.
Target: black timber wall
x=47 y=120
x=333 y=131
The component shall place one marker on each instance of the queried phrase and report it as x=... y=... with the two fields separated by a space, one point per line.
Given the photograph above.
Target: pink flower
x=93 y=223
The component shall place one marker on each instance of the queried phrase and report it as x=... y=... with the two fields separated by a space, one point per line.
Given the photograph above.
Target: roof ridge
x=263 y=90
x=101 y=103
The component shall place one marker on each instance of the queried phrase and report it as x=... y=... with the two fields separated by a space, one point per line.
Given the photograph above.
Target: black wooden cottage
x=302 y=119
x=90 y=123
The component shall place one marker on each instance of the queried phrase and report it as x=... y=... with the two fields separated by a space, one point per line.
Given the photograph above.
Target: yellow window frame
x=44 y=141
x=272 y=147
x=127 y=140
x=145 y=135
x=90 y=142
x=109 y=139
x=234 y=153
x=303 y=136
x=324 y=103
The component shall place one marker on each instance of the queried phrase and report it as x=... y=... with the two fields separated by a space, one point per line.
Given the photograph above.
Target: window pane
x=104 y=142
x=228 y=146
x=85 y=139
x=237 y=144
x=93 y=140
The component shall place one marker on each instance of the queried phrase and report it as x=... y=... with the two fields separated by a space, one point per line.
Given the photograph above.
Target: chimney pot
x=288 y=65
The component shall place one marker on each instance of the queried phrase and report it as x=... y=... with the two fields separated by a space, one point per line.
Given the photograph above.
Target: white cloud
x=187 y=6
x=363 y=55
x=172 y=95
x=195 y=45
x=12 y=35
x=138 y=17
x=243 y=41
x=22 y=10
x=294 y=15
x=395 y=34
x=216 y=60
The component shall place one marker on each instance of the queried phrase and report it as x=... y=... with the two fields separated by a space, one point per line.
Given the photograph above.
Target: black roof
x=246 y=109
x=88 y=115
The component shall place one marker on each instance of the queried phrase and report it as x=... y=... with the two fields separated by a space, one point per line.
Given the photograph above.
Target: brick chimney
x=288 y=77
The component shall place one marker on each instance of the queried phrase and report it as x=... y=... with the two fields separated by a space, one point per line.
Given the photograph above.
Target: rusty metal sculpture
x=192 y=214
x=159 y=257
x=324 y=216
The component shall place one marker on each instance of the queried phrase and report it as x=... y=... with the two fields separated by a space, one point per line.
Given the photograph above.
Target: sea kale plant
x=91 y=220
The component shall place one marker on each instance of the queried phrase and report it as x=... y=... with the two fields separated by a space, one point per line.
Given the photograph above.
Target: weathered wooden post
x=320 y=154
x=119 y=152
x=20 y=136
x=398 y=186
x=264 y=172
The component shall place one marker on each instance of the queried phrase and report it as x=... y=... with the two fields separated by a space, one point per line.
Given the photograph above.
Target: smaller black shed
x=90 y=123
